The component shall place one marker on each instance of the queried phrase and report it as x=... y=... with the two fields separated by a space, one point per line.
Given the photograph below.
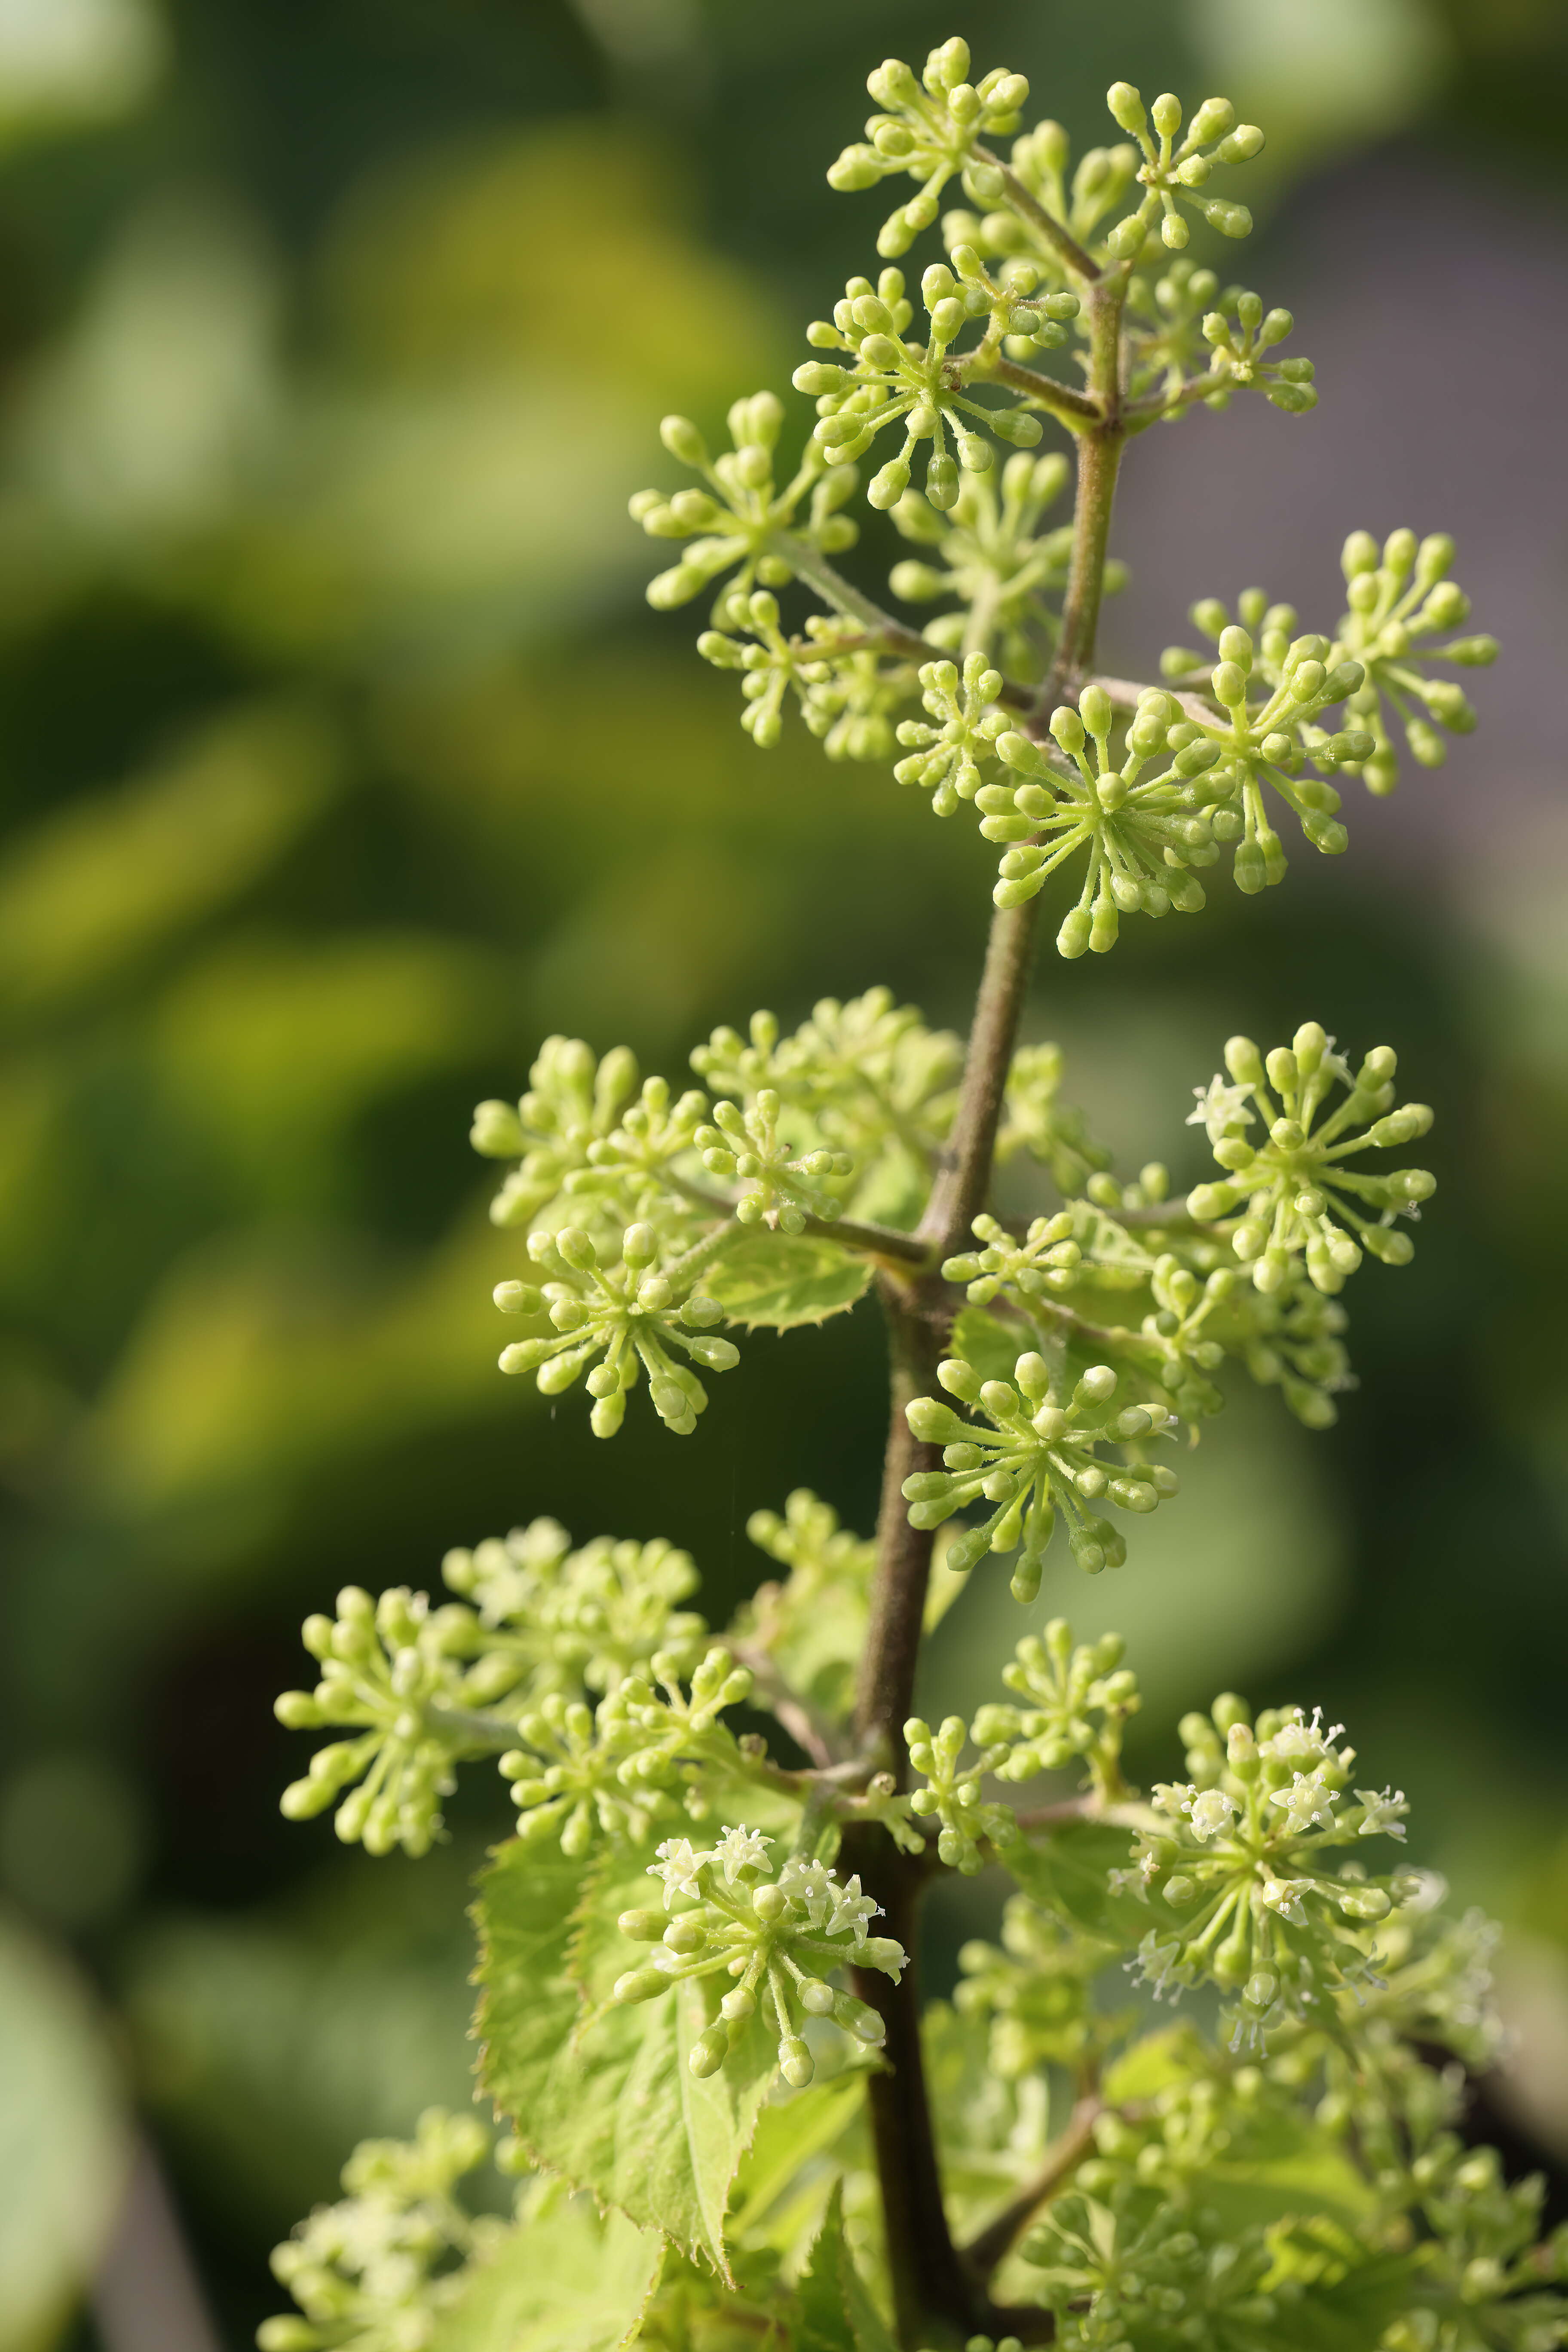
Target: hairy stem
x=1068 y=407
x=1124 y=693
x=1062 y=243
x=844 y=597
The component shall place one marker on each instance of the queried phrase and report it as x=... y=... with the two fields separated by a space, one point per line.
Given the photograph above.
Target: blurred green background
x=340 y=760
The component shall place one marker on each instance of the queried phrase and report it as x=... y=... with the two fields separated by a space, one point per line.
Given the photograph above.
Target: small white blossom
x=680 y=1868
x=1221 y=1109
x=1173 y=1796
x=1284 y=1896
x=1384 y=1813
x=1308 y=1801
x=853 y=1910
x=1209 y=1813
x=737 y=1849
x=1299 y=1742
x=811 y=1888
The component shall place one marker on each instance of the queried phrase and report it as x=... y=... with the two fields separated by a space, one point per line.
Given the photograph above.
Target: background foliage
x=333 y=335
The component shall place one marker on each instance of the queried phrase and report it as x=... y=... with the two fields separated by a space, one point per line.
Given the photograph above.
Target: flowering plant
x=699 y=2010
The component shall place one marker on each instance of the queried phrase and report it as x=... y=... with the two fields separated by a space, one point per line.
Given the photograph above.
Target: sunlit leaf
x=564 y=2281
x=783 y=1279
x=601 y=2093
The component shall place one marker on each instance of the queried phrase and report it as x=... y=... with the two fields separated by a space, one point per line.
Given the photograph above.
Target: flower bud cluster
x=1237 y=1870
x=944 y=759
x=932 y=128
x=989 y=551
x=777 y=1935
x=578 y=1619
x=1297 y=1199
x=1141 y=837
x=1266 y=742
x=1129 y=2266
x=1034 y=1991
x=1072 y=1269
x=614 y=1771
x=546 y=1623
x=573 y=1101
x=372 y=2271
x=953 y=1796
x=854 y=1106
x=1176 y=168
x=1397 y=595
x=1241 y=334
x=743 y=518
x=1165 y=341
x=393 y=1671
x=777 y=1180
x=846 y=695
x=623 y=1319
x=867 y=1077
x=892 y=379
x=1076 y=1701
x=1039 y=1458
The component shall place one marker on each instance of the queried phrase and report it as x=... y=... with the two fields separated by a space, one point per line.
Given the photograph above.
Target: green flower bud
x=683 y=441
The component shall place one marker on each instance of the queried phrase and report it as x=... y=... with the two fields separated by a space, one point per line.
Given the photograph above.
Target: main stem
x=935 y=2291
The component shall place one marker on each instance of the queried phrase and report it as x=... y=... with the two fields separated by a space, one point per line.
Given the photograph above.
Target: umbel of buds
x=1299 y=1197
x=1243 y=1873
x=778 y=1936
x=629 y=1315
x=1042 y=1456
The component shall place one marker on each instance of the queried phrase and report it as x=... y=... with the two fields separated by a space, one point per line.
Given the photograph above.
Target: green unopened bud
x=683 y=440
x=1127 y=107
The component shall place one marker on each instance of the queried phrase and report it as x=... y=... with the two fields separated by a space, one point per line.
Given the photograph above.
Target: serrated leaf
x=598 y=2092
x=836 y=2313
x=568 y=2280
x=1069 y=1873
x=984 y=1340
x=783 y=1279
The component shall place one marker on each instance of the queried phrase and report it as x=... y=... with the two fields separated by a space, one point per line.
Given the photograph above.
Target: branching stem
x=999 y=2237
x=935 y=2290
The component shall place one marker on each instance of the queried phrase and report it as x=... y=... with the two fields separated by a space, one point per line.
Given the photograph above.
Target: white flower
x=1384 y=1813
x=1308 y=1798
x=680 y=1868
x=737 y=1849
x=1209 y=1813
x=811 y=1888
x=1284 y=1896
x=1172 y=1796
x=1301 y=1742
x=852 y=1909
x=1223 y=1110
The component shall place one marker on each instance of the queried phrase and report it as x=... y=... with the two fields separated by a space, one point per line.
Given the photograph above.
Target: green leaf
x=991 y=1346
x=783 y=1279
x=1279 y=2163
x=791 y=2132
x=1067 y=1873
x=836 y=2313
x=598 y=2092
x=564 y=2281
